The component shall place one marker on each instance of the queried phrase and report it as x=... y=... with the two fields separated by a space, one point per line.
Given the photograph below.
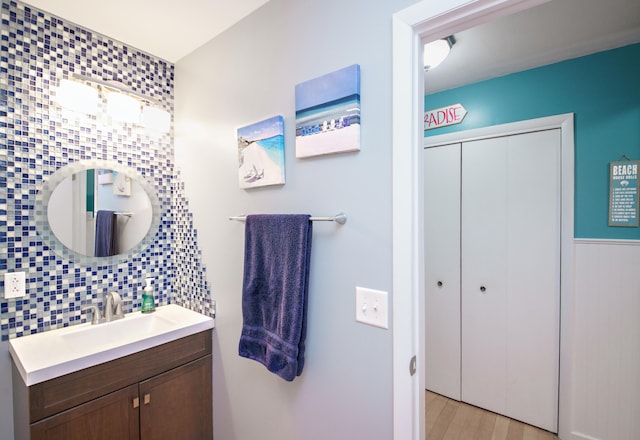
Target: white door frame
x=411 y=27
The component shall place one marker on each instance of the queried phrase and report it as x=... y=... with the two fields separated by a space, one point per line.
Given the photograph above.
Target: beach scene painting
x=328 y=113
x=261 y=153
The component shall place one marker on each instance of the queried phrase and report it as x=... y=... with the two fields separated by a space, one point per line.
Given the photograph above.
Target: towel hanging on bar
x=340 y=218
x=277 y=259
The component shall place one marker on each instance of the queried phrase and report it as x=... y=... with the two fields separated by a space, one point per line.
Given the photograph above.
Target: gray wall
x=243 y=76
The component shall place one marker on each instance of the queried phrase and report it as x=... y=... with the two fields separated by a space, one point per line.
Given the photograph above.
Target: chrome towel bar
x=340 y=218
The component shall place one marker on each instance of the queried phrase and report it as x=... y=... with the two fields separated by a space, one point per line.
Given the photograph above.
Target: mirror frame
x=50 y=239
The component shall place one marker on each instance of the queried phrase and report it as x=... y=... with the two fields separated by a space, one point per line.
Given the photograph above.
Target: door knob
x=483 y=289
x=439 y=283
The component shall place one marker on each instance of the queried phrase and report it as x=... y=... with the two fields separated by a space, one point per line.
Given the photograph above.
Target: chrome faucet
x=111 y=311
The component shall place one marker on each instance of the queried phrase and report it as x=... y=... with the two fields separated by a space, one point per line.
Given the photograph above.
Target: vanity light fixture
x=156 y=119
x=77 y=96
x=82 y=94
x=123 y=108
x=437 y=51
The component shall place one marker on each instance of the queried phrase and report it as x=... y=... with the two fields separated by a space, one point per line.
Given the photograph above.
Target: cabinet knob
x=147 y=399
x=136 y=402
x=483 y=289
x=439 y=283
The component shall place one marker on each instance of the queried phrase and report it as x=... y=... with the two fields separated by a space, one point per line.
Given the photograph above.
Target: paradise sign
x=441 y=117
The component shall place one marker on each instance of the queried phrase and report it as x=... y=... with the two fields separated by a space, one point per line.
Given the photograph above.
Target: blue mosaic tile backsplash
x=37 y=138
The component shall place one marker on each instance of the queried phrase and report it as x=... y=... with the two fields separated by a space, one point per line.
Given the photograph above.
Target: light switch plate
x=372 y=307
x=14 y=284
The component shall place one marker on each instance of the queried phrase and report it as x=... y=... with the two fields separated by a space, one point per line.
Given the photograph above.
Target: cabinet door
x=110 y=417
x=442 y=269
x=178 y=404
x=511 y=276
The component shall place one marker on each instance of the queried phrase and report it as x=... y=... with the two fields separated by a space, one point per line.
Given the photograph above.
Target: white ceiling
x=165 y=28
x=557 y=30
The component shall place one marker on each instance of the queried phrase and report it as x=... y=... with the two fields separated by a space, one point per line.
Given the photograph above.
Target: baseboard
x=607 y=241
x=579 y=435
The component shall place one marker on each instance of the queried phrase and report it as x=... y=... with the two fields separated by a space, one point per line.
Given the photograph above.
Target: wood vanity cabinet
x=160 y=393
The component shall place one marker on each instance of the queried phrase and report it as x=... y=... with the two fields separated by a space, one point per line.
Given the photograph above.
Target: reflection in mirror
x=77 y=202
x=95 y=209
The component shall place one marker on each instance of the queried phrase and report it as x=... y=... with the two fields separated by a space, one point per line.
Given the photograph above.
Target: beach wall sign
x=328 y=113
x=623 y=193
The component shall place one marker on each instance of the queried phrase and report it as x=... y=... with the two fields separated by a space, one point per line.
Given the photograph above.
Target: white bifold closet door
x=509 y=281
x=442 y=269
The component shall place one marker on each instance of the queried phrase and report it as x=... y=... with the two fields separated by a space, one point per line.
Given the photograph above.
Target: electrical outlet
x=372 y=307
x=14 y=284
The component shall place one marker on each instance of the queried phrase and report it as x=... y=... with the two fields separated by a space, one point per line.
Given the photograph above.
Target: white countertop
x=54 y=353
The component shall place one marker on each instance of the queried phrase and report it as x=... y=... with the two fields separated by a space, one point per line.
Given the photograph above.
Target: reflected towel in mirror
x=106 y=240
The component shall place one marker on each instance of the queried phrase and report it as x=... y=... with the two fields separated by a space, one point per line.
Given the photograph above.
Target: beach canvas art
x=261 y=153
x=328 y=113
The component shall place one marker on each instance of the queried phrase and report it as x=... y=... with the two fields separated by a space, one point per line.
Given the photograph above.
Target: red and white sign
x=441 y=117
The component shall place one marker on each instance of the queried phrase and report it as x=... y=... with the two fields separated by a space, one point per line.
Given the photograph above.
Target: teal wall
x=602 y=90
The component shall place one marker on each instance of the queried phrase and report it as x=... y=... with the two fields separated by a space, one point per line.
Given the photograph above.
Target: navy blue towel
x=277 y=255
x=106 y=239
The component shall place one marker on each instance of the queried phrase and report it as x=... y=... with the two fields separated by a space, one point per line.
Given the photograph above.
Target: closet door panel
x=533 y=280
x=442 y=269
x=510 y=246
x=484 y=270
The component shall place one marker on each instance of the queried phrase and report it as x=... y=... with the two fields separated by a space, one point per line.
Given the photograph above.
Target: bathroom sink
x=51 y=354
x=116 y=332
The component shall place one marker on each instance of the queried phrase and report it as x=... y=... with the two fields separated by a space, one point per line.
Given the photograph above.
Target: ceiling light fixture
x=436 y=51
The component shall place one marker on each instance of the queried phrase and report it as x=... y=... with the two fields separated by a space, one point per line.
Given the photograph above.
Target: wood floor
x=449 y=419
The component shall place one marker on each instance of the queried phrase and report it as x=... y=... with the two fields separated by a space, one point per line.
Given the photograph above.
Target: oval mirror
x=97 y=212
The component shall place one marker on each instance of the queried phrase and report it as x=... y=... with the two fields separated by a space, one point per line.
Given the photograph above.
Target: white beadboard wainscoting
x=605 y=378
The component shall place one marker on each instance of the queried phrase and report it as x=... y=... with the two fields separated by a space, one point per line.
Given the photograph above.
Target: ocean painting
x=261 y=153
x=328 y=113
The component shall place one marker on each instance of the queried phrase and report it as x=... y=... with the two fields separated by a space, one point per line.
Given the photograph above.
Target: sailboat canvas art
x=261 y=153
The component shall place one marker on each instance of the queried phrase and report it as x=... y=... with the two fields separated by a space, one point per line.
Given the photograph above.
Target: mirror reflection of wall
x=132 y=206
x=61 y=204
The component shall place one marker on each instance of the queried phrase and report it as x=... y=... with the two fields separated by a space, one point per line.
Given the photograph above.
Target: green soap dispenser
x=148 y=302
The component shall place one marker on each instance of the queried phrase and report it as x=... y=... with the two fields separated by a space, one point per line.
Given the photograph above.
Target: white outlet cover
x=372 y=307
x=14 y=284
